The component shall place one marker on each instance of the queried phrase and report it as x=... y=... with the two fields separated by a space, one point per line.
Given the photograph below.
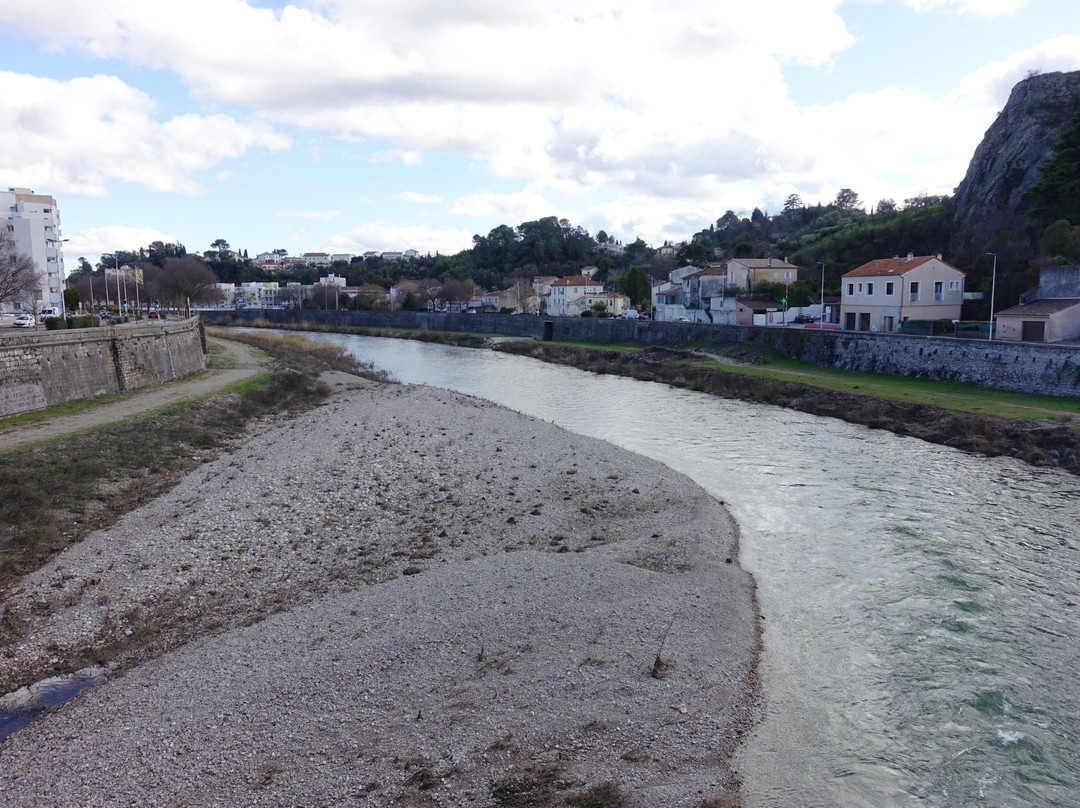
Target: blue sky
x=345 y=126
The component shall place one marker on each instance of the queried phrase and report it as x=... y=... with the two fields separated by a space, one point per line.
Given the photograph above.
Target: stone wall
x=43 y=368
x=1024 y=367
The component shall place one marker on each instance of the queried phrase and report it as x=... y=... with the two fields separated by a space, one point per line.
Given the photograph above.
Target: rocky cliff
x=1006 y=163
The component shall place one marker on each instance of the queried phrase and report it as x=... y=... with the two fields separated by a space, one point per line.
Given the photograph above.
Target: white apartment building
x=33 y=223
x=572 y=295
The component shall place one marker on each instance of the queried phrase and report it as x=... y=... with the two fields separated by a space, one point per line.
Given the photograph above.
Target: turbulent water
x=921 y=605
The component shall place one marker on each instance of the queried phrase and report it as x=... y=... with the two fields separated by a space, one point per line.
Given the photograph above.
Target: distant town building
x=316 y=259
x=572 y=295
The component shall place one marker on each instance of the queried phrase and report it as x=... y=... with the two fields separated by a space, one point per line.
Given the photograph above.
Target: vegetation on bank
x=57 y=493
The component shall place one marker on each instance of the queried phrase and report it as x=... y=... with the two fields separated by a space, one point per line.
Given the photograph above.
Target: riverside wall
x=1023 y=367
x=39 y=369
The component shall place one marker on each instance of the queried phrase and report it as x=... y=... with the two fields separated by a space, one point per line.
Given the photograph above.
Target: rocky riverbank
x=406 y=597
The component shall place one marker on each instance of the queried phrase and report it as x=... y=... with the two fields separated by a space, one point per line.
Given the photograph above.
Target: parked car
x=50 y=312
x=683 y=320
x=154 y=315
x=24 y=321
x=630 y=314
x=105 y=314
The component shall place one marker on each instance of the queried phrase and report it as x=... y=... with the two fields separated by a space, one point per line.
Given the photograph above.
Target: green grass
x=956 y=396
x=950 y=395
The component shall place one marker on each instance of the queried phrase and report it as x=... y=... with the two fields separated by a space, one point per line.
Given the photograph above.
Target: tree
x=72 y=298
x=1057 y=193
x=458 y=291
x=847 y=199
x=793 y=208
x=219 y=244
x=635 y=285
x=183 y=281
x=528 y=301
x=1061 y=242
x=886 y=208
x=19 y=278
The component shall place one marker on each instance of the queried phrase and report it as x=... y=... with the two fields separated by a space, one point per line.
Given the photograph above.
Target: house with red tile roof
x=881 y=295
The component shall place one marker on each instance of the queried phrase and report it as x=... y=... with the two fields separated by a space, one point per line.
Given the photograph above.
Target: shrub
x=55 y=323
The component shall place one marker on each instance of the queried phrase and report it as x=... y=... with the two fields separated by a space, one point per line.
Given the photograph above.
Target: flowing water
x=922 y=605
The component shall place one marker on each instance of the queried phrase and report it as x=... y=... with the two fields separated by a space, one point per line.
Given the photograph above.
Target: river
x=921 y=604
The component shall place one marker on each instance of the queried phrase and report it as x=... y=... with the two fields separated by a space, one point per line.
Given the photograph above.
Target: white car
x=24 y=321
x=630 y=314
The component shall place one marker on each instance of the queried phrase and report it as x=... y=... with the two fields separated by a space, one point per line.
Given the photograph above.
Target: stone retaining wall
x=43 y=368
x=1024 y=367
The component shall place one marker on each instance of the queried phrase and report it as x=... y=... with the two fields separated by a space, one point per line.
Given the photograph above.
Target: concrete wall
x=1025 y=367
x=44 y=368
x=1061 y=281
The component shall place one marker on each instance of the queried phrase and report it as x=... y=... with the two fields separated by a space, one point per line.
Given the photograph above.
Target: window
x=954 y=286
x=851 y=288
x=939 y=290
x=889 y=288
x=914 y=291
x=869 y=288
x=860 y=288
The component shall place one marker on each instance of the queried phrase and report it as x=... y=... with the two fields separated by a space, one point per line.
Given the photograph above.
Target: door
x=888 y=323
x=1033 y=331
x=849 y=321
x=864 y=321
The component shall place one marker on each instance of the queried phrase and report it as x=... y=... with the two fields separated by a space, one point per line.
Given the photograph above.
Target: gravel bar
x=406 y=597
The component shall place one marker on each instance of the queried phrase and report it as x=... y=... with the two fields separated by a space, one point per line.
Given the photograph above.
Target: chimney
x=910 y=257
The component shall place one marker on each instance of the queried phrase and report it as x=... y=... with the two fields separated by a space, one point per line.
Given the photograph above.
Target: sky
x=345 y=126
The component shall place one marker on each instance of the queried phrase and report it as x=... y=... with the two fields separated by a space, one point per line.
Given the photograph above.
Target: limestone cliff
x=1006 y=163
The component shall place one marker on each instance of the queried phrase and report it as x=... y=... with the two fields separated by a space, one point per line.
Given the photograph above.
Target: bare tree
x=431 y=293
x=457 y=291
x=528 y=301
x=183 y=281
x=19 y=278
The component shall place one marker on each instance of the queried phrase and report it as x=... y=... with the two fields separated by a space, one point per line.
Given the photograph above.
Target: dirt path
x=236 y=362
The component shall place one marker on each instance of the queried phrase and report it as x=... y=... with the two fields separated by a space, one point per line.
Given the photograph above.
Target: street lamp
x=993 y=288
x=821 y=321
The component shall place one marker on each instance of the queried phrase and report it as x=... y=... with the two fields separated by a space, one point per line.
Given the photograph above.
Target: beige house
x=745 y=272
x=883 y=294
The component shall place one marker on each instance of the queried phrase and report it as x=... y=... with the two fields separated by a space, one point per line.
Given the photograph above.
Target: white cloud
x=978 y=8
x=989 y=87
x=310 y=215
x=388 y=237
x=567 y=94
x=92 y=243
x=76 y=136
x=678 y=107
x=503 y=208
x=417 y=197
